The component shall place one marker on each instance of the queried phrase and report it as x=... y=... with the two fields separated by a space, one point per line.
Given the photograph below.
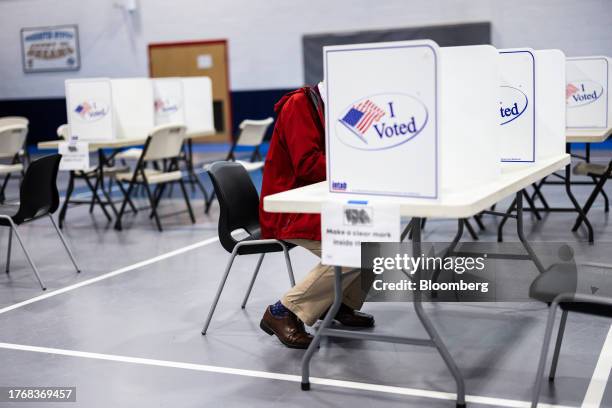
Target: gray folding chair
x=558 y=287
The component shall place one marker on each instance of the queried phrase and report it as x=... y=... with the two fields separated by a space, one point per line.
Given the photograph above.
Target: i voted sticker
x=382 y=121
x=513 y=104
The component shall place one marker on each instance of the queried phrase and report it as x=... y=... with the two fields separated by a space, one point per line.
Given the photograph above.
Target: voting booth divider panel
x=410 y=108
x=102 y=109
x=198 y=95
x=133 y=107
x=588 y=93
x=516 y=107
x=550 y=103
x=89 y=109
x=169 y=101
x=469 y=148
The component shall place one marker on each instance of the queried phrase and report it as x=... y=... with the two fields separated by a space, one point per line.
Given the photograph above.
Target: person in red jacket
x=296 y=158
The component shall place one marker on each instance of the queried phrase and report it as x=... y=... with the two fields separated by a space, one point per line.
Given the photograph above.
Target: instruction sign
x=346 y=224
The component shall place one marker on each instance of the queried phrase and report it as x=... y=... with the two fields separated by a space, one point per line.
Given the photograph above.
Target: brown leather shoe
x=352 y=318
x=289 y=329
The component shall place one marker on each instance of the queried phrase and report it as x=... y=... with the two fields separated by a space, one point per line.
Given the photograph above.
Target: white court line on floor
x=111 y=274
x=413 y=392
x=599 y=380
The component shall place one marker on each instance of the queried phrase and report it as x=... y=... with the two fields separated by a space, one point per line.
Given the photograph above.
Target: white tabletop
x=119 y=143
x=453 y=204
x=587 y=135
x=97 y=144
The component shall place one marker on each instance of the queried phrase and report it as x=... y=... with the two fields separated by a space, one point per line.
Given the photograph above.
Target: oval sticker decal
x=381 y=121
x=90 y=111
x=166 y=106
x=579 y=93
x=512 y=105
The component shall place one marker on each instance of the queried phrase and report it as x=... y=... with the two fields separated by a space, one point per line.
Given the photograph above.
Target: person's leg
x=310 y=298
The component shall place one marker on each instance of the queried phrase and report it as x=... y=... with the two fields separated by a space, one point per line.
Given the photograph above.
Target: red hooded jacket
x=296 y=158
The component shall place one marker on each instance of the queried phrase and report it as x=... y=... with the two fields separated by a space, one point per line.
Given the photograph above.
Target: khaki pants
x=311 y=297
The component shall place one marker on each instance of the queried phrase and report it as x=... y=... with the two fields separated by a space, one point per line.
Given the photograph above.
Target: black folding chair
x=38 y=197
x=239 y=210
x=163 y=144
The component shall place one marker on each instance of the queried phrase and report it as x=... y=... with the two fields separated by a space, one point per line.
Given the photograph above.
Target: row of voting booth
x=107 y=109
x=450 y=118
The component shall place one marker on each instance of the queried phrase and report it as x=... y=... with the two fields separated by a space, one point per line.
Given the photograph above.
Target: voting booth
x=530 y=108
x=197 y=92
x=89 y=109
x=107 y=109
x=169 y=101
x=186 y=101
x=588 y=93
x=410 y=118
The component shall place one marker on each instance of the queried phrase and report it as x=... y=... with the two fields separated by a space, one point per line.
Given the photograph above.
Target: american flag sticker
x=570 y=90
x=360 y=118
x=83 y=109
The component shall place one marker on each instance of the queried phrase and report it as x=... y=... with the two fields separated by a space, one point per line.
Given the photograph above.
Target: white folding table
x=453 y=204
x=586 y=136
x=104 y=160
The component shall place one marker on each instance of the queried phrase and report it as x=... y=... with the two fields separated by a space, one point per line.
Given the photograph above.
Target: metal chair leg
x=289 y=267
x=218 y=295
x=27 y=254
x=186 y=196
x=543 y=354
x=74 y=262
x=248 y=292
x=8 y=251
x=555 y=360
x=153 y=209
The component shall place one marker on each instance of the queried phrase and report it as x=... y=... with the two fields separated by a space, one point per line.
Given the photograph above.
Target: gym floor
x=126 y=331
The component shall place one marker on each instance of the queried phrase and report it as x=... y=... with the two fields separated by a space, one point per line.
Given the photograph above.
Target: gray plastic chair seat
x=260 y=248
x=560 y=279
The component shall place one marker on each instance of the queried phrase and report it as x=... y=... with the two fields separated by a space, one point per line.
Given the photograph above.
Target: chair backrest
x=252 y=132
x=63 y=131
x=12 y=139
x=38 y=193
x=14 y=120
x=164 y=142
x=238 y=201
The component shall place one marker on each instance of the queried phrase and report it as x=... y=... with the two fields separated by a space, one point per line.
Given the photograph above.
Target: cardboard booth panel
x=469 y=91
x=133 y=107
x=169 y=101
x=588 y=92
x=382 y=118
x=198 y=103
x=550 y=103
x=89 y=108
x=516 y=110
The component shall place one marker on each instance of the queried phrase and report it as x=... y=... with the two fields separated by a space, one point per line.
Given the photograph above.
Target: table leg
x=69 y=191
x=324 y=324
x=429 y=327
x=568 y=190
x=521 y=234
